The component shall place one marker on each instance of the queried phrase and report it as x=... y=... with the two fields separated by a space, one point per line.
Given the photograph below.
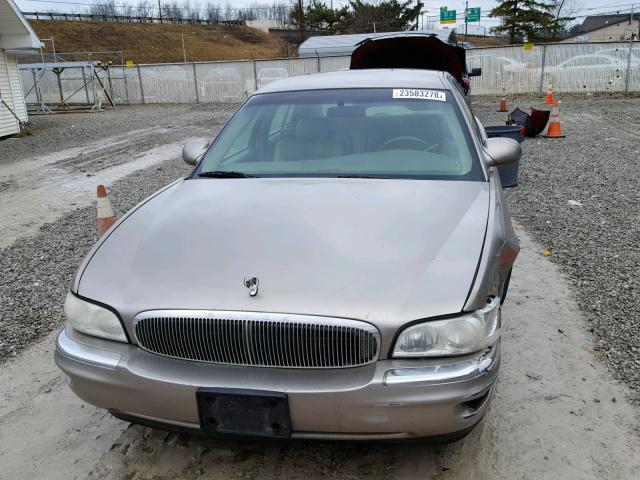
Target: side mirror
x=194 y=150
x=501 y=151
x=475 y=72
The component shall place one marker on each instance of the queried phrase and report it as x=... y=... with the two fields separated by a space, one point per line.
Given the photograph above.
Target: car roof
x=374 y=78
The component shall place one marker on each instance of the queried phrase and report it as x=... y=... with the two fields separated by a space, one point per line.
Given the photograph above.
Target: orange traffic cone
x=554 y=130
x=503 y=105
x=106 y=218
x=549 y=98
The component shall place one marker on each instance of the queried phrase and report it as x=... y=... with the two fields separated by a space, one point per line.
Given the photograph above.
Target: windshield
x=385 y=133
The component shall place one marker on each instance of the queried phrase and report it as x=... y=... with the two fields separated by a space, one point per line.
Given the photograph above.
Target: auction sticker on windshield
x=419 y=94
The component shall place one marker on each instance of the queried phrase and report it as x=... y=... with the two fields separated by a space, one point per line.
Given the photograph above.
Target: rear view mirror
x=475 y=72
x=501 y=151
x=194 y=150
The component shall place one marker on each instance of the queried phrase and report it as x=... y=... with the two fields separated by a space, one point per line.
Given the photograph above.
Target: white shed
x=15 y=35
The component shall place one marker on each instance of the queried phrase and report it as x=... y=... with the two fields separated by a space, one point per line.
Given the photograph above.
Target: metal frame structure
x=91 y=81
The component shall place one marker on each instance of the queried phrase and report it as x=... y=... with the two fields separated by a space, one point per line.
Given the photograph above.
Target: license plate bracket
x=244 y=412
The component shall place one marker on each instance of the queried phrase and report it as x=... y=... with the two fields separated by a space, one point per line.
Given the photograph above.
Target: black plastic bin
x=508 y=173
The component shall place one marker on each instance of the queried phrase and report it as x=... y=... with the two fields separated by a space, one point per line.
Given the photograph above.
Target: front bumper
x=385 y=400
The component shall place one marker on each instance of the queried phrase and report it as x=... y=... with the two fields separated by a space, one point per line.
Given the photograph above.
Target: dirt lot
x=558 y=411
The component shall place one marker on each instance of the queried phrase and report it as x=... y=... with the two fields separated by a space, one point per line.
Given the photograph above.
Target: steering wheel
x=424 y=146
x=407 y=140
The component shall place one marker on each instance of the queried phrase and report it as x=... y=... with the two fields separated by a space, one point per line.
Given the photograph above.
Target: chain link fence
x=574 y=68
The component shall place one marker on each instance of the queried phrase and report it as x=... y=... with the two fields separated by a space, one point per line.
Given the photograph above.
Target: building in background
x=16 y=36
x=607 y=28
x=473 y=30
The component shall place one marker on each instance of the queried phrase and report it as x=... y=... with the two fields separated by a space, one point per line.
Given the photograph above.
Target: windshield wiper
x=225 y=174
x=357 y=176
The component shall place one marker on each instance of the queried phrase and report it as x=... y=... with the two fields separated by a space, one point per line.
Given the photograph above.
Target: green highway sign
x=473 y=14
x=447 y=16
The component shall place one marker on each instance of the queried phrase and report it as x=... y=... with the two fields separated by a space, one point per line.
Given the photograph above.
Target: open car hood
x=411 y=51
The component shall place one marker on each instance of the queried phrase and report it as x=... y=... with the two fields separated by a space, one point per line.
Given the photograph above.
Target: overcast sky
x=577 y=8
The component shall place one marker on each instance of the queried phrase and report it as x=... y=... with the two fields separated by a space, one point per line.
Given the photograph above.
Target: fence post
x=255 y=75
x=544 y=59
x=124 y=77
x=92 y=72
x=318 y=57
x=110 y=83
x=141 y=87
x=626 y=80
x=195 y=82
x=86 y=89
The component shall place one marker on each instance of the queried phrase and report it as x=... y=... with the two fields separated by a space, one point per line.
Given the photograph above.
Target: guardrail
x=88 y=17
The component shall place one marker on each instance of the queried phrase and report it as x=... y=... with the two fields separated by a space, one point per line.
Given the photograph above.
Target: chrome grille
x=260 y=339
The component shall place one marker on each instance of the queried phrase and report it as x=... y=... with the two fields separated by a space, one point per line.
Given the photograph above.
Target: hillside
x=155 y=43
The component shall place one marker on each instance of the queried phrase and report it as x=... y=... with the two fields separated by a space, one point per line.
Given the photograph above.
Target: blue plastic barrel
x=508 y=173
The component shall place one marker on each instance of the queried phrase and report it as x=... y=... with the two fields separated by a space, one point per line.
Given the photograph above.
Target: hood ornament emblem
x=251 y=282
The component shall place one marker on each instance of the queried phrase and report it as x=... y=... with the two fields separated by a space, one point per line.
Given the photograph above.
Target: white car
x=221 y=84
x=622 y=54
x=595 y=72
x=503 y=71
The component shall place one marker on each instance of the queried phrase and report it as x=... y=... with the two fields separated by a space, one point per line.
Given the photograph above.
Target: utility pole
x=301 y=20
x=160 y=11
x=466 y=22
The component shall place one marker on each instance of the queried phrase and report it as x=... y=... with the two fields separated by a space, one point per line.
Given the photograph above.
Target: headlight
x=468 y=333
x=93 y=319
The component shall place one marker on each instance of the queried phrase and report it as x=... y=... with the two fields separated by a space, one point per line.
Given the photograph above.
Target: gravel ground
x=596 y=241
x=37 y=271
x=63 y=131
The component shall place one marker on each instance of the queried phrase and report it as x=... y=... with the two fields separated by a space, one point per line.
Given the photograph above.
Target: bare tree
x=279 y=12
x=247 y=14
x=172 y=10
x=144 y=9
x=230 y=13
x=213 y=13
x=106 y=8
x=127 y=10
x=191 y=11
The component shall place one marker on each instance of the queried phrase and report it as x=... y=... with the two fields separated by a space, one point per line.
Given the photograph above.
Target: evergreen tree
x=528 y=19
x=384 y=16
x=320 y=18
x=358 y=16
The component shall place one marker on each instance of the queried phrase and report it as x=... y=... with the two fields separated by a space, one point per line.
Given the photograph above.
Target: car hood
x=384 y=251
